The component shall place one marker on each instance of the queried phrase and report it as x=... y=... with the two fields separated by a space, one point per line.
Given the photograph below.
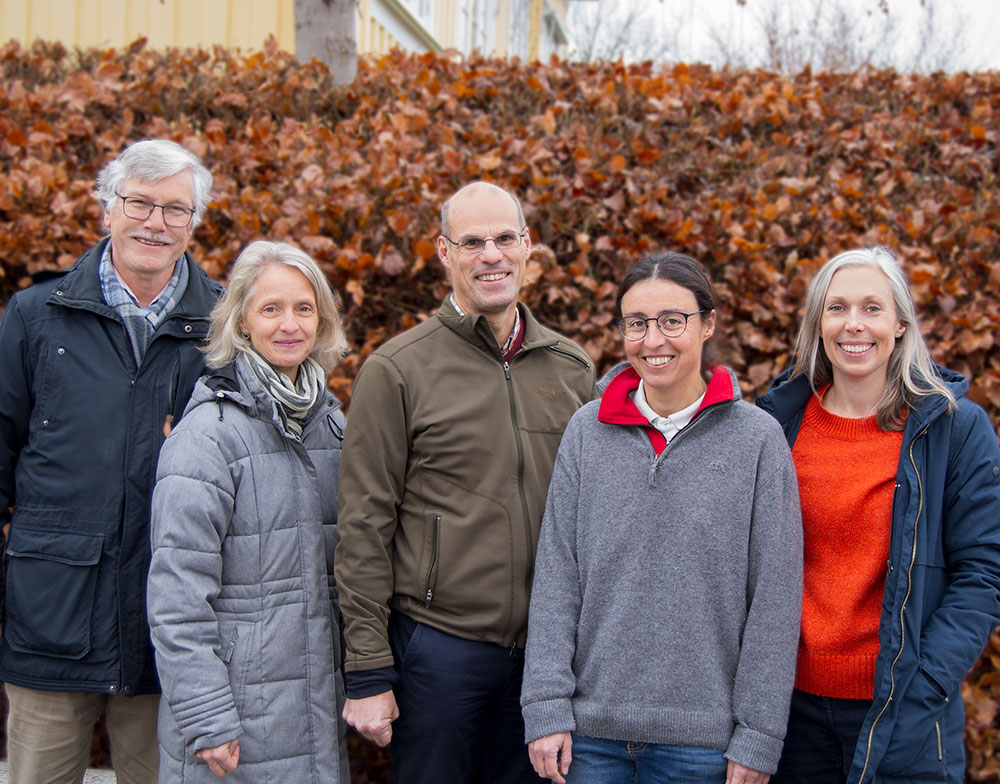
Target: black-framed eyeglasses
x=505 y=240
x=140 y=209
x=671 y=324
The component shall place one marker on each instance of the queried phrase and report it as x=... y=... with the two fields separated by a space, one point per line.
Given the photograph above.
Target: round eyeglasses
x=671 y=324
x=505 y=240
x=139 y=209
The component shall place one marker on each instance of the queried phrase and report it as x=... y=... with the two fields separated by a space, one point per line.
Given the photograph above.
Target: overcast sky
x=690 y=21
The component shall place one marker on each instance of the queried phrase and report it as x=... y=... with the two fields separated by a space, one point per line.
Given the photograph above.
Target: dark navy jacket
x=942 y=589
x=80 y=431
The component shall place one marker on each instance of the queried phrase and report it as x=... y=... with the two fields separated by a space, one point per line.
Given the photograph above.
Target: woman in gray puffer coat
x=241 y=596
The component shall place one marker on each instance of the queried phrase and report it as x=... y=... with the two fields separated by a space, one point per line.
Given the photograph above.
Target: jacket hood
x=229 y=384
x=788 y=396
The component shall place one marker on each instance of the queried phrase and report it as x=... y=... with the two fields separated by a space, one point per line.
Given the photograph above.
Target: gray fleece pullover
x=667 y=592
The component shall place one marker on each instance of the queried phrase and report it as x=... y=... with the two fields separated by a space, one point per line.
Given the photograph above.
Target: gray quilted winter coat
x=241 y=596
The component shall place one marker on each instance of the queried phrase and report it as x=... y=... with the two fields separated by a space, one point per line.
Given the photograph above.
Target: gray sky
x=690 y=20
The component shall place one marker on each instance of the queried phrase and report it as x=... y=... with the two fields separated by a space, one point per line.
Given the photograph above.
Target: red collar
x=617 y=407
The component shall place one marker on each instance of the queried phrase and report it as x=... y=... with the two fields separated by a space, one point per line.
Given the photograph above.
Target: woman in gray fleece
x=242 y=600
x=664 y=615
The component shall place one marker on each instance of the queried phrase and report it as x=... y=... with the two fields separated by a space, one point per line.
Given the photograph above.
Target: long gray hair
x=910 y=375
x=225 y=337
x=150 y=161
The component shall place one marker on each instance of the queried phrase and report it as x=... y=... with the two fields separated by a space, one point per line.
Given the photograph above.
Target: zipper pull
x=506 y=369
x=513 y=650
x=428 y=597
x=888 y=567
x=651 y=478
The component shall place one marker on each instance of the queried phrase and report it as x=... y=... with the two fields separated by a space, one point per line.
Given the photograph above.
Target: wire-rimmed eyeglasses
x=140 y=209
x=505 y=240
x=671 y=324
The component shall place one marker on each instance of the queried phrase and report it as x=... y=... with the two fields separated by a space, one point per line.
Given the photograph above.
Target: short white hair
x=150 y=161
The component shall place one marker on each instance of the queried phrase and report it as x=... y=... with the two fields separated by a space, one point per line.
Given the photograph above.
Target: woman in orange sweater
x=899 y=478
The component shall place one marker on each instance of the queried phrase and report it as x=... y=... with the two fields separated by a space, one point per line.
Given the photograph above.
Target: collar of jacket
x=617 y=408
x=81 y=288
x=476 y=329
x=224 y=384
x=787 y=399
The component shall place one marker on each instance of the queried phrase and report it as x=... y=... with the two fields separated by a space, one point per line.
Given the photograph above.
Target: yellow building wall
x=115 y=23
x=244 y=24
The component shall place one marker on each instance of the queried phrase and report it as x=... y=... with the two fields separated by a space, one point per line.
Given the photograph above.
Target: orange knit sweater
x=847 y=471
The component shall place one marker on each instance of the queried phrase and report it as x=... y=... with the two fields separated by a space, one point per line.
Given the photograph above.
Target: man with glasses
x=98 y=361
x=452 y=434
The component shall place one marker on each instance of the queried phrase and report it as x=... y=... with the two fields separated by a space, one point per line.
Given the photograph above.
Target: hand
x=222 y=759
x=373 y=716
x=737 y=774
x=550 y=756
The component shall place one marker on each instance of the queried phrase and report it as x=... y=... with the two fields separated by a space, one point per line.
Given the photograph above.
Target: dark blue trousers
x=822 y=734
x=459 y=709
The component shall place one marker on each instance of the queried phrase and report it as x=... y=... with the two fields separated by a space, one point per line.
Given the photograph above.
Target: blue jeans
x=603 y=761
x=821 y=738
x=459 y=709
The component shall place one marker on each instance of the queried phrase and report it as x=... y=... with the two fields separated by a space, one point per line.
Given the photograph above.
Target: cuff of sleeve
x=367 y=683
x=754 y=750
x=547 y=717
x=217 y=739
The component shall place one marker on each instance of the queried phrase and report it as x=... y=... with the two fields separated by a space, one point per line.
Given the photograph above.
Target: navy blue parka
x=80 y=432
x=942 y=588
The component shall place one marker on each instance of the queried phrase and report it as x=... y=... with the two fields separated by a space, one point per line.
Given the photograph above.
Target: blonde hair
x=910 y=375
x=225 y=337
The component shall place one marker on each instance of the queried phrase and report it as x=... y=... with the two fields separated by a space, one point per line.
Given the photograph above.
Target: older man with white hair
x=98 y=361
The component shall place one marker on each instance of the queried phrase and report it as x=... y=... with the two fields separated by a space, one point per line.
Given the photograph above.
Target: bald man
x=453 y=431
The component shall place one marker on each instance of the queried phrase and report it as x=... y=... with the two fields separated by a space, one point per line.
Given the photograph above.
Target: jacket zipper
x=902 y=609
x=429 y=585
x=651 y=477
x=520 y=479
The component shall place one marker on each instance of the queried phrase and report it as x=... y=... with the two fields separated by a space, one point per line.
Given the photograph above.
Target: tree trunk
x=327 y=30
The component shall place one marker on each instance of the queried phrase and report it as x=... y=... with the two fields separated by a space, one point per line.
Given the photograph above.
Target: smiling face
x=670 y=368
x=859 y=326
x=487 y=282
x=144 y=251
x=281 y=318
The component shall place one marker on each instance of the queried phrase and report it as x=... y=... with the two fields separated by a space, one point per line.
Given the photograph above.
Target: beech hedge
x=760 y=176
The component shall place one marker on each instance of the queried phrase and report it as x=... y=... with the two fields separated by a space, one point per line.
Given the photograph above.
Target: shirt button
x=187 y=327
x=45 y=423
x=60 y=350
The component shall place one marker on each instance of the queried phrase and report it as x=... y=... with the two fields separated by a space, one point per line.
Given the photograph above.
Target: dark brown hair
x=675 y=267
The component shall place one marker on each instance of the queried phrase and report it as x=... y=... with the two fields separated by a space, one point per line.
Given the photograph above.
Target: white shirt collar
x=668 y=426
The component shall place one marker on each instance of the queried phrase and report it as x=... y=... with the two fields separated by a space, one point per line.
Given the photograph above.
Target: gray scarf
x=295 y=400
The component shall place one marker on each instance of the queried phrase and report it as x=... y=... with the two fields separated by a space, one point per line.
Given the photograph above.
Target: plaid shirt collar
x=140 y=323
x=505 y=348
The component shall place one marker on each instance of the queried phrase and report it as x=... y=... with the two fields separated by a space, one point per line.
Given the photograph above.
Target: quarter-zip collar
x=618 y=408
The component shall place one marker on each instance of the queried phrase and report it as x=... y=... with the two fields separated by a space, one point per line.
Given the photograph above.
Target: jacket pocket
x=430 y=583
x=51 y=580
x=237 y=649
x=915 y=748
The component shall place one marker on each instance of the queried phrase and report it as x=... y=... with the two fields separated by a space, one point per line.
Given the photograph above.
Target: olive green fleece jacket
x=445 y=469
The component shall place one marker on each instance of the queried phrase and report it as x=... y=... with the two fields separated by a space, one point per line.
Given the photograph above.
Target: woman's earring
x=245 y=335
